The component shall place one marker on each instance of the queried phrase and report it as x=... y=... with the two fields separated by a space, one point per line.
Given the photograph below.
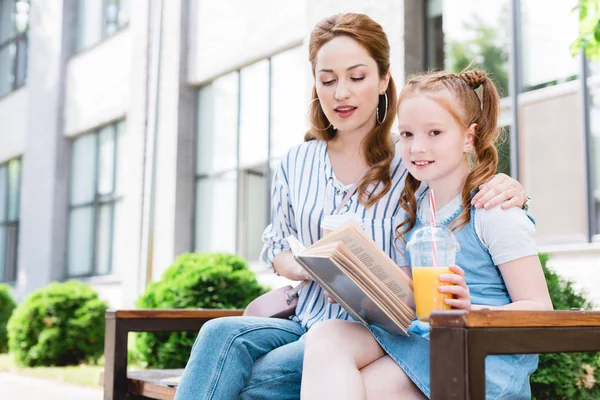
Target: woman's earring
x=377 y=111
x=310 y=119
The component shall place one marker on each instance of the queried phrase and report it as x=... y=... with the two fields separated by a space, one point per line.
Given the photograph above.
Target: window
x=246 y=120
x=14 y=28
x=594 y=99
x=10 y=189
x=477 y=37
x=545 y=40
x=95 y=200
x=98 y=19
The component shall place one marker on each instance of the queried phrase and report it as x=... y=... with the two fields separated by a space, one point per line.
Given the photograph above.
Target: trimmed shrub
x=60 y=324
x=7 y=305
x=572 y=376
x=207 y=280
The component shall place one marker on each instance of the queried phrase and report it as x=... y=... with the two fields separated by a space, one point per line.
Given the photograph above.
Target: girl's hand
x=460 y=290
x=500 y=189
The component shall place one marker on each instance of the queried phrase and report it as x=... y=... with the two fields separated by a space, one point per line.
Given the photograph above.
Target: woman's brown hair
x=378 y=146
x=456 y=93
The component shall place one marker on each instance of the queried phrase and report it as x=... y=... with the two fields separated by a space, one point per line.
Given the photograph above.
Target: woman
x=351 y=114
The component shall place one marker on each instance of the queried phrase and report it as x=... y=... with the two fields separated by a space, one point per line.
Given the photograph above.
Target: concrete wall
x=45 y=160
x=13 y=124
x=552 y=162
x=97 y=84
x=228 y=34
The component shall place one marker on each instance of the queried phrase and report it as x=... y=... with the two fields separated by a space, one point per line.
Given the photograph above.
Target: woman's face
x=348 y=84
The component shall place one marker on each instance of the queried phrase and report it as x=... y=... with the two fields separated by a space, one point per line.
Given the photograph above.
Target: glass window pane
x=12 y=232
x=290 y=93
x=120 y=155
x=595 y=133
x=255 y=200
x=81 y=225
x=23 y=47
x=217 y=125
x=83 y=170
x=546 y=37
x=89 y=23
x=254 y=113
x=112 y=17
x=216 y=213
x=22 y=16
x=7 y=26
x=478 y=37
x=7 y=77
x=14 y=189
x=3 y=192
x=2 y=253
x=118 y=244
x=124 y=11
x=106 y=150
x=104 y=239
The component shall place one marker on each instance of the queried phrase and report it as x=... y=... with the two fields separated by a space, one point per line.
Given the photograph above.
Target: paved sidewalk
x=16 y=387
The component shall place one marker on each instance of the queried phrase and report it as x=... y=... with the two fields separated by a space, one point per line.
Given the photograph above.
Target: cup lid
x=443 y=237
x=336 y=220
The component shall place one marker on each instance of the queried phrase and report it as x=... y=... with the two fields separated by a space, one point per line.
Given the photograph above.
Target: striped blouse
x=304 y=190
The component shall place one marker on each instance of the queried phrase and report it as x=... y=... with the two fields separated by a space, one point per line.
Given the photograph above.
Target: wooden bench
x=120 y=384
x=460 y=341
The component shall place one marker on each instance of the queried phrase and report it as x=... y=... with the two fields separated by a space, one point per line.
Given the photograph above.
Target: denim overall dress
x=506 y=376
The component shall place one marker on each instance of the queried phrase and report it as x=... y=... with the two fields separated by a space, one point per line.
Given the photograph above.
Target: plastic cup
x=332 y=222
x=426 y=270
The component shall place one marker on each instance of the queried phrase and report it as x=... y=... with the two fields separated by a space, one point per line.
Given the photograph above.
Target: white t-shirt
x=507 y=234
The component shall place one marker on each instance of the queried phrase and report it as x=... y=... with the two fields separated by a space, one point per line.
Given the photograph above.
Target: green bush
x=572 y=376
x=207 y=280
x=61 y=324
x=7 y=305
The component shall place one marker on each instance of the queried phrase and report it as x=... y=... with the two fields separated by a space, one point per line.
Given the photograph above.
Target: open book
x=360 y=277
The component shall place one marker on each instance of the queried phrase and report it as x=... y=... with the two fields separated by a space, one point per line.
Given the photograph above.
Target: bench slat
x=172 y=314
x=514 y=319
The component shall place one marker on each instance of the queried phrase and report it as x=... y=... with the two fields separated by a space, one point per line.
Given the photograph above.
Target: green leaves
x=589 y=29
x=573 y=376
x=7 y=306
x=207 y=280
x=61 y=324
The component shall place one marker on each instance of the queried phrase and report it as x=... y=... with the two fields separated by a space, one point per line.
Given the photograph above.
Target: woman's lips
x=344 y=112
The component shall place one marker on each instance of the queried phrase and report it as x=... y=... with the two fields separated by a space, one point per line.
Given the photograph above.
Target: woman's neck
x=350 y=143
x=447 y=188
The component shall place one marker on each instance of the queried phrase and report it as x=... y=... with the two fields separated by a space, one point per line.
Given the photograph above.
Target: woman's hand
x=500 y=189
x=286 y=266
x=459 y=288
x=330 y=299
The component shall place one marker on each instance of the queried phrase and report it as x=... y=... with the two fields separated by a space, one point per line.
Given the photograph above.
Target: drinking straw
x=432 y=219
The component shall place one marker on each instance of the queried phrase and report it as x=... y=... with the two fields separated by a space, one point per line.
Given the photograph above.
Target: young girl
x=447 y=139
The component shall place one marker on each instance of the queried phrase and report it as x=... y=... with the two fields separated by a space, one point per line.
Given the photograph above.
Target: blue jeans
x=244 y=358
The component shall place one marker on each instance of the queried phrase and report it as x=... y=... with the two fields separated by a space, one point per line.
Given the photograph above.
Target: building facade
x=134 y=131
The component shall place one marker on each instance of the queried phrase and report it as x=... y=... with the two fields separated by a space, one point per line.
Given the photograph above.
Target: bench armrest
x=514 y=319
x=120 y=322
x=461 y=340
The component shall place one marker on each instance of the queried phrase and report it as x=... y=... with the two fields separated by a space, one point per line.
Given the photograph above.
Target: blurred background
x=132 y=131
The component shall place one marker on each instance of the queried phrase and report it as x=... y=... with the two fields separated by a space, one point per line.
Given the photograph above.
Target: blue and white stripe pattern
x=304 y=190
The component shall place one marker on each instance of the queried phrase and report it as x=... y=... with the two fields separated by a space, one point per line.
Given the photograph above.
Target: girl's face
x=432 y=144
x=348 y=84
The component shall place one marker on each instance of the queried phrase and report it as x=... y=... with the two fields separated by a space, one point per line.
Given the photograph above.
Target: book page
x=372 y=257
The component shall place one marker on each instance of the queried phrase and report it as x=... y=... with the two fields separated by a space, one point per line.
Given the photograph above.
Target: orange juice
x=427 y=296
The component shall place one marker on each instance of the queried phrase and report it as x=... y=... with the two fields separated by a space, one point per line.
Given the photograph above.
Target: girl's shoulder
x=498 y=216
